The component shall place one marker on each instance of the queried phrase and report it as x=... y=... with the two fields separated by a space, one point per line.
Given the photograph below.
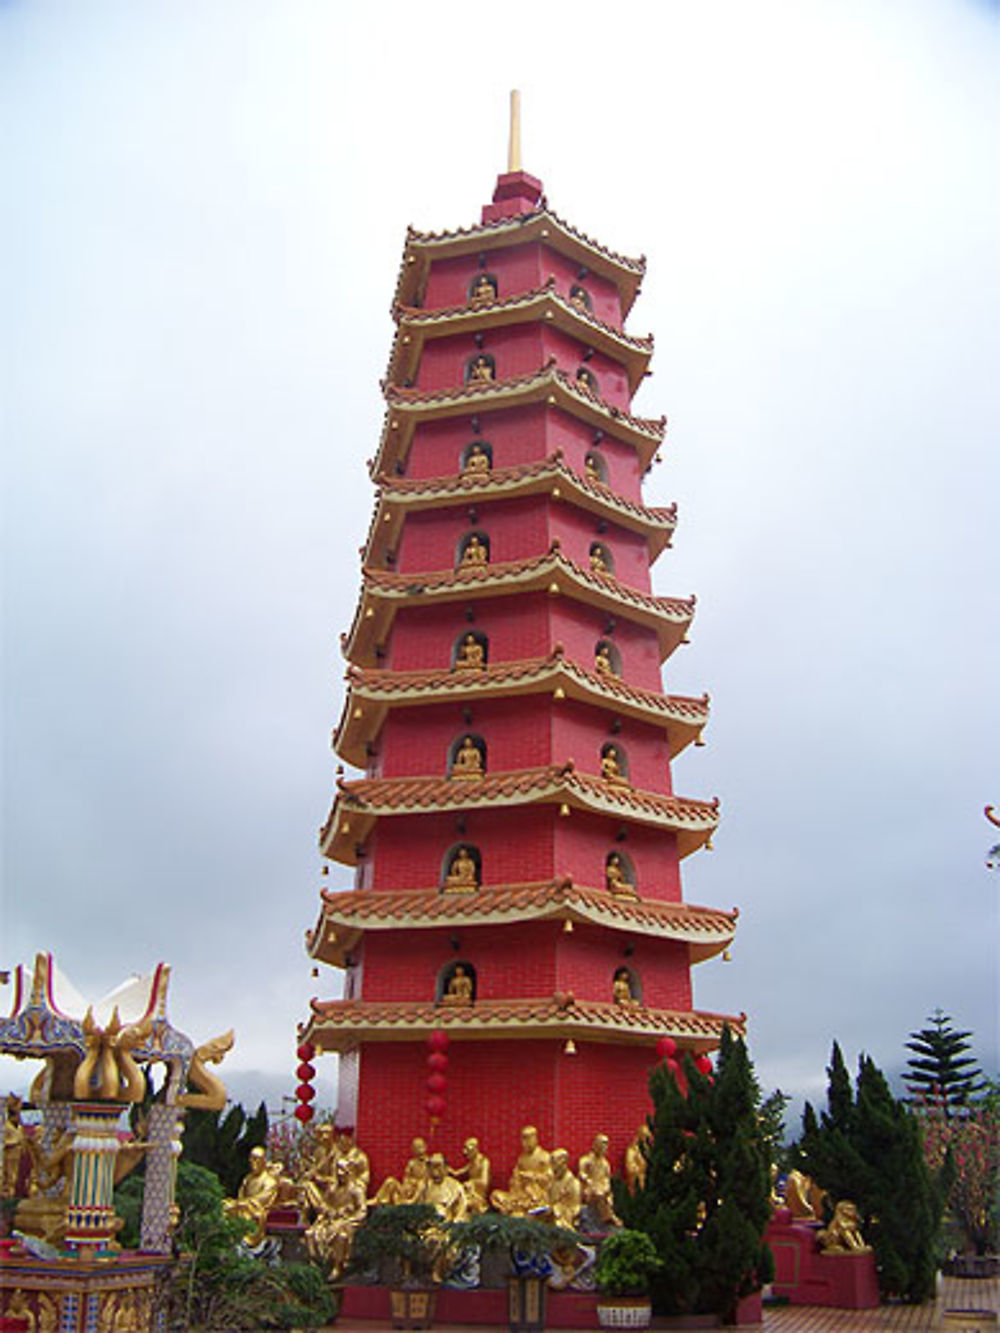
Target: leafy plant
x=405 y=1238
x=520 y=1242
x=221 y=1141
x=627 y=1261
x=965 y=1149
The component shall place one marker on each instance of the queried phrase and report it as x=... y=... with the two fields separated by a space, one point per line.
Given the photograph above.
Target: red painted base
x=806 y=1277
x=563 y=1309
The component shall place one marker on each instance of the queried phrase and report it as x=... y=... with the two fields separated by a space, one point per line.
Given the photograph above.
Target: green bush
x=627 y=1261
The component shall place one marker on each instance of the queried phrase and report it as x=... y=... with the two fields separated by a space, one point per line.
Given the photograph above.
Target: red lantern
x=306 y=1051
x=703 y=1065
x=305 y=1092
x=303 y=1114
x=436 y=1060
x=435 y=1106
x=438 y=1040
x=666 y=1048
x=436 y=1083
x=305 y=1072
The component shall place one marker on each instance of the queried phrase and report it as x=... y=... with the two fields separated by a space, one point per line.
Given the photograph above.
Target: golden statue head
x=601 y=1142
x=560 y=1162
x=436 y=1167
x=419 y=1147
x=529 y=1138
x=258 y=1160
x=470 y=1147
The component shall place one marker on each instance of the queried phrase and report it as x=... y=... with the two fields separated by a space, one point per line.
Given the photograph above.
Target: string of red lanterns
x=305 y=1092
x=437 y=1081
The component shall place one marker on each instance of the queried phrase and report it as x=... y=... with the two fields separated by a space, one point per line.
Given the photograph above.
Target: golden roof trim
x=555 y=386
x=359 y=803
x=371 y=692
x=668 y=616
x=340 y=1025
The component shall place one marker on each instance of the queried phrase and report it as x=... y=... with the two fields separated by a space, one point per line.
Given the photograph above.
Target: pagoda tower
x=515 y=838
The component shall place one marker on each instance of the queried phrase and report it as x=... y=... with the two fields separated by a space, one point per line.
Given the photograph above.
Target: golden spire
x=514 y=141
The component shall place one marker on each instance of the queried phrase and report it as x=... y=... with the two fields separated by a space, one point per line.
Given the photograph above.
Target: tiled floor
x=956 y=1294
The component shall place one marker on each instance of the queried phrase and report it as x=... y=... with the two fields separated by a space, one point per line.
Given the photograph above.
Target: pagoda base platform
x=480 y=1305
x=80 y=1295
x=804 y=1276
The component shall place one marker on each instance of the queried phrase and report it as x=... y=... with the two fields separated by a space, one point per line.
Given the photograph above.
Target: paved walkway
x=981 y=1294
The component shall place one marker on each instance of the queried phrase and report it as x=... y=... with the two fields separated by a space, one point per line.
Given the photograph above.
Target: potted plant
x=627 y=1261
x=402 y=1243
x=518 y=1249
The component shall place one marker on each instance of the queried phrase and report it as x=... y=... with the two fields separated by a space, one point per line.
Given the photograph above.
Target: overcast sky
x=204 y=210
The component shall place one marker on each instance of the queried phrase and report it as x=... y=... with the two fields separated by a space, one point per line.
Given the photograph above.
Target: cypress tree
x=939 y=1069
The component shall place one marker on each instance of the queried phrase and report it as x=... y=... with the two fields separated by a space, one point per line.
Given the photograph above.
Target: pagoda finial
x=514 y=139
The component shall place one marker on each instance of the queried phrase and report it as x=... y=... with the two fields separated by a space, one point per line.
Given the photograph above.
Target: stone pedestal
x=806 y=1277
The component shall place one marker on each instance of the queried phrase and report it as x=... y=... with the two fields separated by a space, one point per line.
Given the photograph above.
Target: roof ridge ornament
x=514 y=135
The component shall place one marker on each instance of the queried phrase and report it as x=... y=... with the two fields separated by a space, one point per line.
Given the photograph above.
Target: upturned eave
x=383 y=593
x=545 y=305
x=423 y=247
x=548 y=385
x=372 y=693
x=360 y=803
x=398 y=496
x=346 y=917
x=342 y=1025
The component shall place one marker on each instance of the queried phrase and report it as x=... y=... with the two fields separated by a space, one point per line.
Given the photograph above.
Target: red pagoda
x=515 y=838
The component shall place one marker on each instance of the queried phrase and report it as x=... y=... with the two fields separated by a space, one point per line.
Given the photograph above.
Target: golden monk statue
x=257 y=1195
x=462 y=876
x=459 y=988
x=595 y=1182
x=409 y=1189
x=598 y=563
x=474 y=552
x=603 y=662
x=477 y=459
x=635 y=1158
x=611 y=767
x=621 y=988
x=563 y=1196
x=615 y=877
x=476 y=1173
x=585 y=380
x=481 y=370
x=468 y=762
x=322 y=1169
x=470 y=655
x=483 y=289
x=356 y=1159
x=340 y=1212
x=590 y=468
x=843 y=1235
x=528 y=1188
x=443 y=1192
x=578 y=297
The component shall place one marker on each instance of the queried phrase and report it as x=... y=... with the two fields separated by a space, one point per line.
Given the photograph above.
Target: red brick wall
x=516 y=731
x=579 y=731
x=583 y=842
x=517 y=349
x=569 y=354
x=517 y=530
x=577 y=530
x=604 y=300
x=518 y=960
x=517 y=269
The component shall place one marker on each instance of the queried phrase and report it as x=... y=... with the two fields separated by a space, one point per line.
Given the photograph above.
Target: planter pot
x=526 y=1304
x=412 y=1308
x=624 y=1312
x=969 y=1321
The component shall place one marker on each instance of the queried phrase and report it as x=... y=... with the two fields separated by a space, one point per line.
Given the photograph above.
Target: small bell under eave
x=570 y=1047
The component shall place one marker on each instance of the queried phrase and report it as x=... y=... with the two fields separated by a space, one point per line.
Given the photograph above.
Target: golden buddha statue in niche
x=474 y=552
x=579 y=298
x=462 y=875
x=468 y=762
x=475 y=1176
x=477 y=459
x=595 y=1182
x=585 y=380
x=257 y=1195
x=611 y=767
x=409 y=1189
x=635 y=1158
x=483 y=289
x=602 y=660
x=459 y=988
x=470 y=656
x=340 y=1212
x=621 y=988
x=528 y=1187
x=616 y=878
x=564 y=1195
x=598 y=563
x=590 y=470
x=481 y=370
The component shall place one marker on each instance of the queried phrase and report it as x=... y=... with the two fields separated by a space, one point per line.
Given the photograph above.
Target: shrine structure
x=515 y=838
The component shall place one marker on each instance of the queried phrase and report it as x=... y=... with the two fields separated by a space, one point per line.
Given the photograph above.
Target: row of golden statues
x=333 y=1191
x=463 y=876
x=460 y=990
x=471 y=656
x=477 y=461
x=467 y=764
x=475 y=551
x=485 y=289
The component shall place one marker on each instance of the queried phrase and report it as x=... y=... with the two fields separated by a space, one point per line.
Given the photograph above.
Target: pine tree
x=940 y=1070
x=221 y=1141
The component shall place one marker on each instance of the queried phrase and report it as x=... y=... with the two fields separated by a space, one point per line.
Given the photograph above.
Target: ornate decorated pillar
x=90 y=1220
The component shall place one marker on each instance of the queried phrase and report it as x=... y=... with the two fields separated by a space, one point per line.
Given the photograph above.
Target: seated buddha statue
x=459 y=988
x=462 y=876
x=255 y=1198
x=475 y=1176
x=598 y=564
x=615 y=877
x=340 y=1212
x=611 y=769
x=483 y=289
x=468 y=762
x=356 y=1159
x=528 y=1188
x=474 y=552
x=595 y=1182
x=603 y=662
x=481 y=370
x=590 y=468
x=585 y=380
x=470 y=656
x=443 y=1192
x=621 y=988
x=563 y=1197
x=477 y=459
x=409 y=1189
